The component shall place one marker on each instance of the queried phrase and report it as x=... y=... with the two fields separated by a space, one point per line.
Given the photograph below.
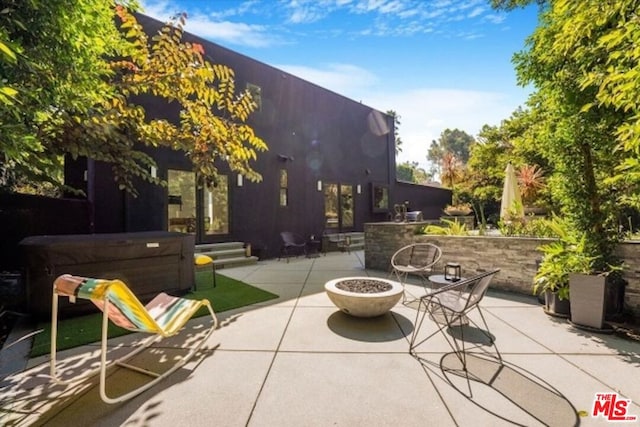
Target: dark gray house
x=330 y=168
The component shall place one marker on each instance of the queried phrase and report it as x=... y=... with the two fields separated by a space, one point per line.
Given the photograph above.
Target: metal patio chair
x=449 y=307
x=292 y=244
x=417 y=259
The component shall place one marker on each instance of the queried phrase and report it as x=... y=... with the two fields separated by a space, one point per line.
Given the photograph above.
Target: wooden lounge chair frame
x=164 y=316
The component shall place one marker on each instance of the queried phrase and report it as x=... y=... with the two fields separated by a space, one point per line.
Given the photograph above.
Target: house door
x=338 y=207
x=181 y=203
x=204 y=213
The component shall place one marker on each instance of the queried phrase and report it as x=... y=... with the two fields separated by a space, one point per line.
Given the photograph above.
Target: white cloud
x=476 y=12
x=495 y=19
x=225 y=32
x=339 y=78
x=230 y=25
x=232 y=33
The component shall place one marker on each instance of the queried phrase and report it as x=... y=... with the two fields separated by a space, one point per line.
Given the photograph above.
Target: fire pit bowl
x=363 y=296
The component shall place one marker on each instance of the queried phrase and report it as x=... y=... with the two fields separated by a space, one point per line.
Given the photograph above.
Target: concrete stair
x=335 y=241
x=227 y=254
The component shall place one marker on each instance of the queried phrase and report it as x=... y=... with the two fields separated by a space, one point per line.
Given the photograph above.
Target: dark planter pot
x=554 y=306
x=614 y=300
x=535 y=210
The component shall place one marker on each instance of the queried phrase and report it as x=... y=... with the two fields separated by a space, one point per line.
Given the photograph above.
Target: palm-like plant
x=531 y=180
x=451 y=169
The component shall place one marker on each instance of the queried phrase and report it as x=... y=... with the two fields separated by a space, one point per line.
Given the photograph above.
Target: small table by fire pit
x=363 y=296
x=440 y=280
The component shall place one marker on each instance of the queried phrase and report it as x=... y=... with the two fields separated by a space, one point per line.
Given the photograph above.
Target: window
x=331 y=206
x=346 y=206
x=256 y=95
x=181 y=206
x=380 y=197
x=284 y=188
x=216 y=207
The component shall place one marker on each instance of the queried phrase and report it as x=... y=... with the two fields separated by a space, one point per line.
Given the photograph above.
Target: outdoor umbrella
x=511 y=206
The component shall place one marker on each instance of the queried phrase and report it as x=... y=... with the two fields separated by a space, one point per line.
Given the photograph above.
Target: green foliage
x=52 y=64
x=404 y=172
x=527 y=228
x=454 y=141
x=514 y=4
x=396 y=133
x=613 y=30
x=411 y=172
x=451 y=228
x=483 y=179
x=449 y=154
x=575 y=134
x=73 y=100
x=568 y=254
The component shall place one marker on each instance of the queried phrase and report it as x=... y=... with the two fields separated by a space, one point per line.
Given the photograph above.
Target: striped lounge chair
x=164 y=316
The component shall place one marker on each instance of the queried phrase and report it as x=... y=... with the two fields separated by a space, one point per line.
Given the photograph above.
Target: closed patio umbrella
x=511 y=205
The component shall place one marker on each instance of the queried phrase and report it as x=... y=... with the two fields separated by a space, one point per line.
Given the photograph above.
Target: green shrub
x=452 y=228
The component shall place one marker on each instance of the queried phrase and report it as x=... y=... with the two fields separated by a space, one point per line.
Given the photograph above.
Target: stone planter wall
x=516 y=257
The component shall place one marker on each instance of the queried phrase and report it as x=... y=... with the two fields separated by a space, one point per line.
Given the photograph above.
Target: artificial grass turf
x=227 y=295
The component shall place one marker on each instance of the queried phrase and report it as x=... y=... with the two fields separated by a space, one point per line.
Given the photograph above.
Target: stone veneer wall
x=516 y=257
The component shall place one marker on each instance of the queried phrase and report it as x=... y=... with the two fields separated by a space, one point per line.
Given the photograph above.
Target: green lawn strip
x=227 y=295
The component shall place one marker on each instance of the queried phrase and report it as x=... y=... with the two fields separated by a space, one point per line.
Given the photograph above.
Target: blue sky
x=439 y=64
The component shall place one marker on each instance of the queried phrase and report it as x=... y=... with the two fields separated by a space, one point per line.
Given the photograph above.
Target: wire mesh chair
x=449 y=307
x=418 y=259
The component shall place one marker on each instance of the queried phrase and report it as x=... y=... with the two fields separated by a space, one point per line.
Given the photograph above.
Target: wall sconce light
x=319 y=185
x=239 y=180
x=452 y=271
x=284 y=157
x=85 y=176
x=358 y=189
x=153 y=171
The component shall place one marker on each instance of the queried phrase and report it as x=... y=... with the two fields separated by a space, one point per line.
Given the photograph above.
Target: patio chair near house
x=292 y=244
x=418 y=259
x=450 y=307
x=162 y=317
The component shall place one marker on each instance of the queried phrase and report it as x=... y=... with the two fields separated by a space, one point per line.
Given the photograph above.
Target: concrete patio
x=297 y=361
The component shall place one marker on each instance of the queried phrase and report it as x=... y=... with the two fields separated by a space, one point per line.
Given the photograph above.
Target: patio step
x=335 y=241
x=226 y=254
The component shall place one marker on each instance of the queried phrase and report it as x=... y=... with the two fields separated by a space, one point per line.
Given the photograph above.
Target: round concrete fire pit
x=363 y=296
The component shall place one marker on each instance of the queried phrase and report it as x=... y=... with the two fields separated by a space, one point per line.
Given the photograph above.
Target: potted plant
x=573 y=273
x=562 y=257
x=459 y=209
